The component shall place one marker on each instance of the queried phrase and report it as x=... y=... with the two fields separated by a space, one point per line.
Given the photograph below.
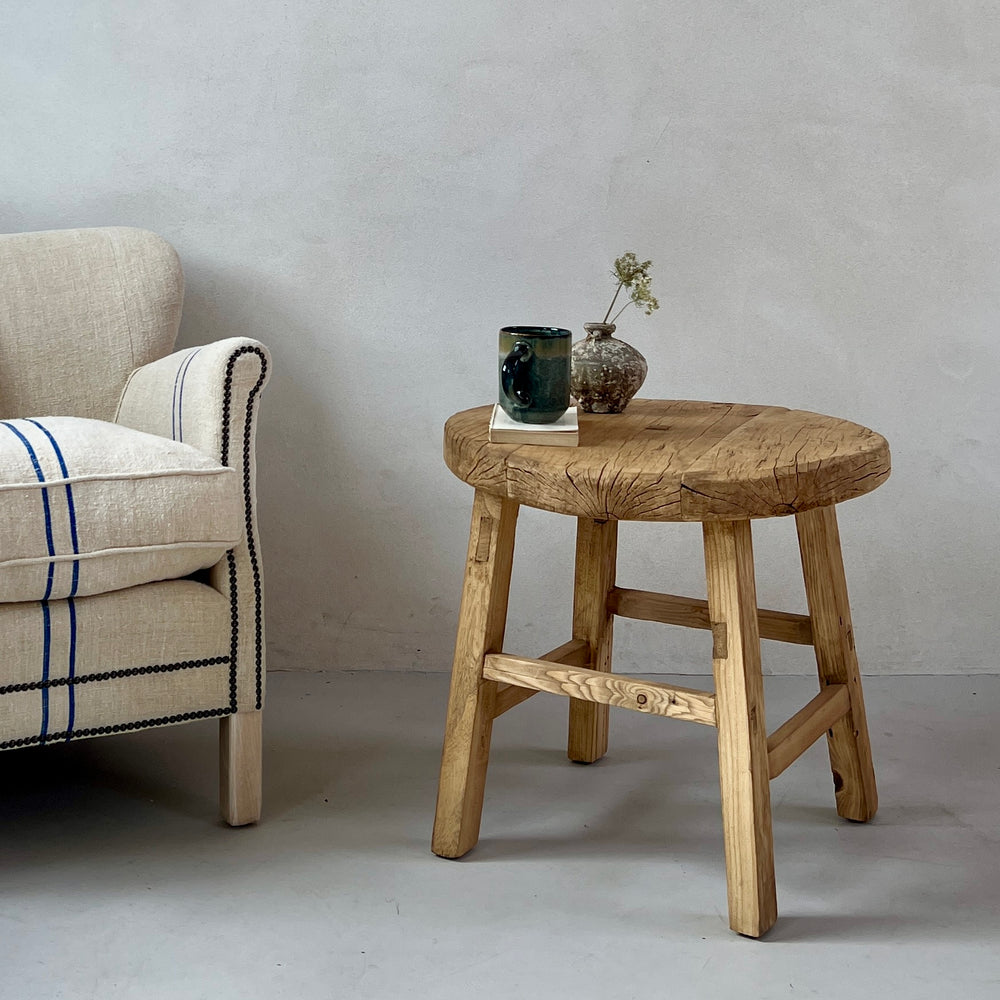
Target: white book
x=562 y=432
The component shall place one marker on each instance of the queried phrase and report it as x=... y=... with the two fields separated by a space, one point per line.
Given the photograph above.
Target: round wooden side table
x=721 y=464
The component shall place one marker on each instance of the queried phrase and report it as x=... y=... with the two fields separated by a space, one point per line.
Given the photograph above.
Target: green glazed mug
x=534 y=373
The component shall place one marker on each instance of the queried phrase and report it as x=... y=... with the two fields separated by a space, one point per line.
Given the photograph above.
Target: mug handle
x=514 y=378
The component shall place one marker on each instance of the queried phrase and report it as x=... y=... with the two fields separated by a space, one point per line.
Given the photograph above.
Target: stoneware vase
x=606 y=372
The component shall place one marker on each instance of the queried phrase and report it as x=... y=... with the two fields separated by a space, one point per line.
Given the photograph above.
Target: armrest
x=207 y=397
x=204 y=396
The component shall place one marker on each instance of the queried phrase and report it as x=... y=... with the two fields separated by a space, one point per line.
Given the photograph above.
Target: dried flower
x=633 y=274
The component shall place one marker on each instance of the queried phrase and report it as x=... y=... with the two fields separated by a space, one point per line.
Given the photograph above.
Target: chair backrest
x=79 y=310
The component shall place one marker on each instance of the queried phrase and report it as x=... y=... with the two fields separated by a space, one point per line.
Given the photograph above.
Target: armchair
x=130 y=570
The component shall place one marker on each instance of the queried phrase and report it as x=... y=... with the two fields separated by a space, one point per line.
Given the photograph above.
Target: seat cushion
x=88 y=507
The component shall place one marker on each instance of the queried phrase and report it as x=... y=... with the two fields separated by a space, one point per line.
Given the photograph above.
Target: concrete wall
x=374 y=188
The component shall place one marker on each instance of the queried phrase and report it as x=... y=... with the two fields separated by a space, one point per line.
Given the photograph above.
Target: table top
x=677 y=460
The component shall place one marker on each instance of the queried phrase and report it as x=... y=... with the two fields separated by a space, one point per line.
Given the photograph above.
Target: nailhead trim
x=111 y=675
x=234 y=629
x=121 y=727
x=227 y=395
x=234 y=609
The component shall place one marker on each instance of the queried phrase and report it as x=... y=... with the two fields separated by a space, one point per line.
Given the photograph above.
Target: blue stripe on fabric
x=47 y=650
x=180 y=395
x=173 y=404
x=45 y=502
x=71 y=709
x=69 y=503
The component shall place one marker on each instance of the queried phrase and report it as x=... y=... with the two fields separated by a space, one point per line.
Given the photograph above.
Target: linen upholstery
x=111 y=296
x=90 y=506
x=132 y=658
x=160 y=652
x=209 y=395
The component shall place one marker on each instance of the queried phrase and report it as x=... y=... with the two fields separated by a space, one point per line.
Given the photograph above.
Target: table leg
x=836 y=660
x=596 y=555
x=482 y=619
x=739 y=692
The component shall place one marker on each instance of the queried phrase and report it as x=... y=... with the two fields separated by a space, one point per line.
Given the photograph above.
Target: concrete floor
x=589 y=882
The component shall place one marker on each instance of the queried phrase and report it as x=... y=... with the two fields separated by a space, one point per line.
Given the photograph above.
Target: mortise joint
x=720 y=641
x=483 y=541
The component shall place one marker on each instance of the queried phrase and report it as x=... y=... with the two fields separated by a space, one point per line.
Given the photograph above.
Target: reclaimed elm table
x=718 y=463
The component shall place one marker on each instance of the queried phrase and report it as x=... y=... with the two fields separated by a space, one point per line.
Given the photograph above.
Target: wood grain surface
x=739 y=693
x=677 y=460
x=593 y=621
x=597 y=686
x=837 y=662
x=482 y=620
x=240 y=750
x=788 y=742
x=575 y=653
x=689 y=612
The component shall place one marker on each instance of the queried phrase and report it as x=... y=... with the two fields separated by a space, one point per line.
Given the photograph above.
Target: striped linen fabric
x=210 y=396
x=79 y=310
x=114 y=662
x=91 y=506
x=100 y=522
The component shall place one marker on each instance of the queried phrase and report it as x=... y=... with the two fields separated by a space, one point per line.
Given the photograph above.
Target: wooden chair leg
x=240 y=768
x=596 y=555
x=739 y=691
x=482 y=619
x=837 y=662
